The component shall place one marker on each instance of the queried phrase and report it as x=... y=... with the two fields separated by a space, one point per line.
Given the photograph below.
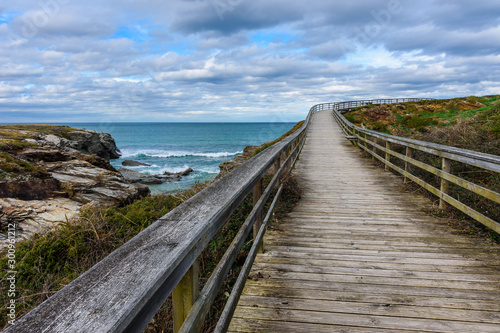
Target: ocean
x=174 y=147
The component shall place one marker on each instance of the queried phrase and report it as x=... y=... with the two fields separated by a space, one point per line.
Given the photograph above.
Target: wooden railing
x=126 y=289
x=349 y=105
x=373 y=142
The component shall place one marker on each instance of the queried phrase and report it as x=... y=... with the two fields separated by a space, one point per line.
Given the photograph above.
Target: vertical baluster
x=277 y=164
x=374 y=149
x=409 y=153
x=445 y=167
x=387 y=155
x=184 y=295
x=257 y=193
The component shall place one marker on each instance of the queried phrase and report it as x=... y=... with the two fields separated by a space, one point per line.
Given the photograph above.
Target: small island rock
x=137 y=177
x=134 y=163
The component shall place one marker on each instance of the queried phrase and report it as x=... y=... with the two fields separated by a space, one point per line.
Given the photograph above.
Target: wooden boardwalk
x=359 y=255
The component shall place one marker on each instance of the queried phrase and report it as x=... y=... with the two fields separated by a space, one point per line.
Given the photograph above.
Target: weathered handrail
x=125 y=290
x=369 y=138
x=349 y=105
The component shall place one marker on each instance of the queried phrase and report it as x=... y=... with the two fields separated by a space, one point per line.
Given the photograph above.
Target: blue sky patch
x=6 y=17
x=264 y=38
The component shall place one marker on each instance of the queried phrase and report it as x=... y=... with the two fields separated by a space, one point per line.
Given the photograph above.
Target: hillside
x=469 y=122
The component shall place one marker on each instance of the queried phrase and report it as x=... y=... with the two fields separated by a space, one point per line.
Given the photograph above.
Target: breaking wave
x=127 y=153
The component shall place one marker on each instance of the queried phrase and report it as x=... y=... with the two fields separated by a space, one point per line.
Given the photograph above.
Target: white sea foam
x=130 y=153
x=209 y=170
x=172 y=169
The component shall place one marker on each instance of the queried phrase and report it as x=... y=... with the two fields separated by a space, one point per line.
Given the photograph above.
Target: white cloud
x=127 y=60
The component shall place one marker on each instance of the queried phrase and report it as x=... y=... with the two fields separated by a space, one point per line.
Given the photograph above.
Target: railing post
x=184 y=295
x=257 y=193
x=288 y=152
x=409 y=153
x=387 y=155
x=374 y=149
x=445 y=167
x=277 y=164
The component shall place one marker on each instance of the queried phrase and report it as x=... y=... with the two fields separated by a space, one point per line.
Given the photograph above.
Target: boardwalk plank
x=360 y=255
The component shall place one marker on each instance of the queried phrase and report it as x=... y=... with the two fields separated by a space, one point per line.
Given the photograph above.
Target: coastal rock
x=183 y=173
x=95 y=161
x=46 y=179
x=137 y=177
x=83 y=141
x=84 y=182
x=228 y=166
x=186 y=172
x=91 y=142
x=35 y=216
x=142 y=178
x=134 y=163
x=48 y=154
x=33 y=189
x=72 y=184
x=170 y=177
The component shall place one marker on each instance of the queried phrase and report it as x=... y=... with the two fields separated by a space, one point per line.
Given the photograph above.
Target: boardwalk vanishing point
x=359 y=255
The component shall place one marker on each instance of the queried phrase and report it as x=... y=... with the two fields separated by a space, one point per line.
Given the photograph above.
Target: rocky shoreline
x=49 y=173
x=133 y=176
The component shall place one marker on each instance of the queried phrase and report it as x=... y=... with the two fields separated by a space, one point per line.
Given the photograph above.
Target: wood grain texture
x=360 y=255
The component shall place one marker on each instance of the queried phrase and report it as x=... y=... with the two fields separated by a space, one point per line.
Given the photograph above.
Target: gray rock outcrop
x=85 y=183
x=137 y=177
x=142 y=178
x=134 y=163
x=84 y=141
x=92 y=142
x=46 y=179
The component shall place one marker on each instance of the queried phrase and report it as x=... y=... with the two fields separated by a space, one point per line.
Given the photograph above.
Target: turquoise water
x=174 y=147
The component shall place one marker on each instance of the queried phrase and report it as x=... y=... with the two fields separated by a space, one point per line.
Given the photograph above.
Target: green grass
x=61 y=131
x=10 y=144
x=414 y=117
x=11 y=139
x=12 y=167
x=50 y=261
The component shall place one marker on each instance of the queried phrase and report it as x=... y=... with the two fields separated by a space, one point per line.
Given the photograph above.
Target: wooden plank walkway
x=359 y=255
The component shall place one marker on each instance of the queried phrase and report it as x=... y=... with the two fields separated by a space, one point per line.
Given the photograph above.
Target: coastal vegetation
x=49 y=261
x=14 y=139
x=471 y=123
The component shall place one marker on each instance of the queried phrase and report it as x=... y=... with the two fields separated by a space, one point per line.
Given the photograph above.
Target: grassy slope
x=57 y=130
x=11 y=140
x=414 y=118
x=48 y=262
x=470 y=123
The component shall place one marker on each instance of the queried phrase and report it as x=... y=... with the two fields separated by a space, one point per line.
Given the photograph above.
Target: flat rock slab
x=137 y=177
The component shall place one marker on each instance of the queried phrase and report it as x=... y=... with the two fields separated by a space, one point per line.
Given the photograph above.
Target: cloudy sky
x=237 y=60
